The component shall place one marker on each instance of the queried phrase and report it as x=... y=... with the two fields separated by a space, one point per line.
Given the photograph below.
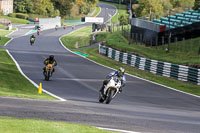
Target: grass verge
x=16 y=20
x=95 y=56
x=13 y=125
x=174 y=56
x=4 y=39
x=81 y=38
x=3 y=27
x=12 y=83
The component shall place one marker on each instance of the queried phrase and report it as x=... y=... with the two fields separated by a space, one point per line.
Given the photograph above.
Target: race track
x=141 y=107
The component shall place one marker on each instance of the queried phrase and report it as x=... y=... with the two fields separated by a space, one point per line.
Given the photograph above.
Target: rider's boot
x=102 y=90
x=120 y=89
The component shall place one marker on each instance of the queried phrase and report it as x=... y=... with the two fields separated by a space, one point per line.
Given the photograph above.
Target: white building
x=6 y=6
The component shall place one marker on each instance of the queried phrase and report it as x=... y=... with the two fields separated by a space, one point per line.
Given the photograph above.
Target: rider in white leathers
x=120 y=74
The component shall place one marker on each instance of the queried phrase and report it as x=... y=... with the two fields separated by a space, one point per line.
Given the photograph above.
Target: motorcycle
x=38 y=32
x=56 y=28
x=32 y=40
x=110 y=90
x=64 y=27
x=48 y=71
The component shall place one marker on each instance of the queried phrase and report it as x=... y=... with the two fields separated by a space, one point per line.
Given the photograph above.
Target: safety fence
x=179 y=72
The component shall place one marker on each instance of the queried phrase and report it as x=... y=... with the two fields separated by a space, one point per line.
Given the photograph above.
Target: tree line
x=53 y=8
x=155 y=6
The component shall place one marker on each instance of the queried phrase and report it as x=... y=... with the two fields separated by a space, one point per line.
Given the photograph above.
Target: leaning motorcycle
x=48 y=71
x=110 y=90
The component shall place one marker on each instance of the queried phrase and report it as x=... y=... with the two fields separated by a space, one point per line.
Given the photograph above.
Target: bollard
x=40 y=88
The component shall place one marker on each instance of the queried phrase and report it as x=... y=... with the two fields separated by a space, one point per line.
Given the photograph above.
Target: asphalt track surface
x=141 y=107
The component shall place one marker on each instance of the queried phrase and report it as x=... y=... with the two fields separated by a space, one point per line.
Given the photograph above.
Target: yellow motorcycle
x=32 y=40
x=48 y=71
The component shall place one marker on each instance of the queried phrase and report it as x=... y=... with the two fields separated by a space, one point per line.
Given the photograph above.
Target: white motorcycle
x=110 y=90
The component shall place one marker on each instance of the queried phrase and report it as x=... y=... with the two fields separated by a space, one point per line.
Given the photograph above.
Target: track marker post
x=40 y=88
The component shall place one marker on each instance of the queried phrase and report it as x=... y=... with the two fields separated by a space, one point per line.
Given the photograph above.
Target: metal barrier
x=48 y=23
x=179 y=72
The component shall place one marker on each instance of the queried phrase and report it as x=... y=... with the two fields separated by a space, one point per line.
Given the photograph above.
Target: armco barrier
x=179 y=72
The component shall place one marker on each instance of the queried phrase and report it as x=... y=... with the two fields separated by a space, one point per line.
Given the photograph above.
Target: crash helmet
x=121 y=71
x=32 y=36
x=51 y=57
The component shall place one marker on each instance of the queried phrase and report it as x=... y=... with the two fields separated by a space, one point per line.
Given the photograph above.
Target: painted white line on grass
x=98 y=12
x=30 y=99
x=117 y=130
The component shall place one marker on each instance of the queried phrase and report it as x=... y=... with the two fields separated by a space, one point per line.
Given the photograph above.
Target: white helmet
x=121 y=71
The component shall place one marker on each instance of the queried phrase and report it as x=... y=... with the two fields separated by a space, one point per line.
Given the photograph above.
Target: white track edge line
x=126 y=73
x=37 y=86
x=98 y=12
x=117 y=130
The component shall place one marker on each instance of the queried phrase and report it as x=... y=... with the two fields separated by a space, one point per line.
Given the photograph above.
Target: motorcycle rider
x=50 y=60
x=64 y=27
x=120 y=74
x=56 y=28
x=32 y=39
x=38 y=31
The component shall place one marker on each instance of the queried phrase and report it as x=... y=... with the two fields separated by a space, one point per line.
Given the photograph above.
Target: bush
x=21 y=15
x=13 y=15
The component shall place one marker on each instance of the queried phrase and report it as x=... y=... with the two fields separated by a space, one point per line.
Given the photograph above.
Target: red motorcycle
x=64 y=27
x=38 y=32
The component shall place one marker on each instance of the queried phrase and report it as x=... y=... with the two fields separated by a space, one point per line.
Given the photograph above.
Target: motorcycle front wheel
x=47 y=76
x=109 y=96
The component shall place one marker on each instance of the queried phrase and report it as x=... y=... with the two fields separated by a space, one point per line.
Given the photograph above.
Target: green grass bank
x=13 y=125
x=12 y=83
x=15 y=20
x=176 y=55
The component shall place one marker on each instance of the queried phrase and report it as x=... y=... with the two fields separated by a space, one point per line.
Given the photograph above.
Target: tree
x=64 y=6
x=166 y=5
x=196 y=4
x=123 y=20
x=23 y=6
x=44 y=7
x=149 y=7
x=182 y=3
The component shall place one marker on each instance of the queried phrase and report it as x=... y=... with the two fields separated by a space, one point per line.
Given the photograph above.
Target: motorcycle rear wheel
x=101 y=100
x=47 y=76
